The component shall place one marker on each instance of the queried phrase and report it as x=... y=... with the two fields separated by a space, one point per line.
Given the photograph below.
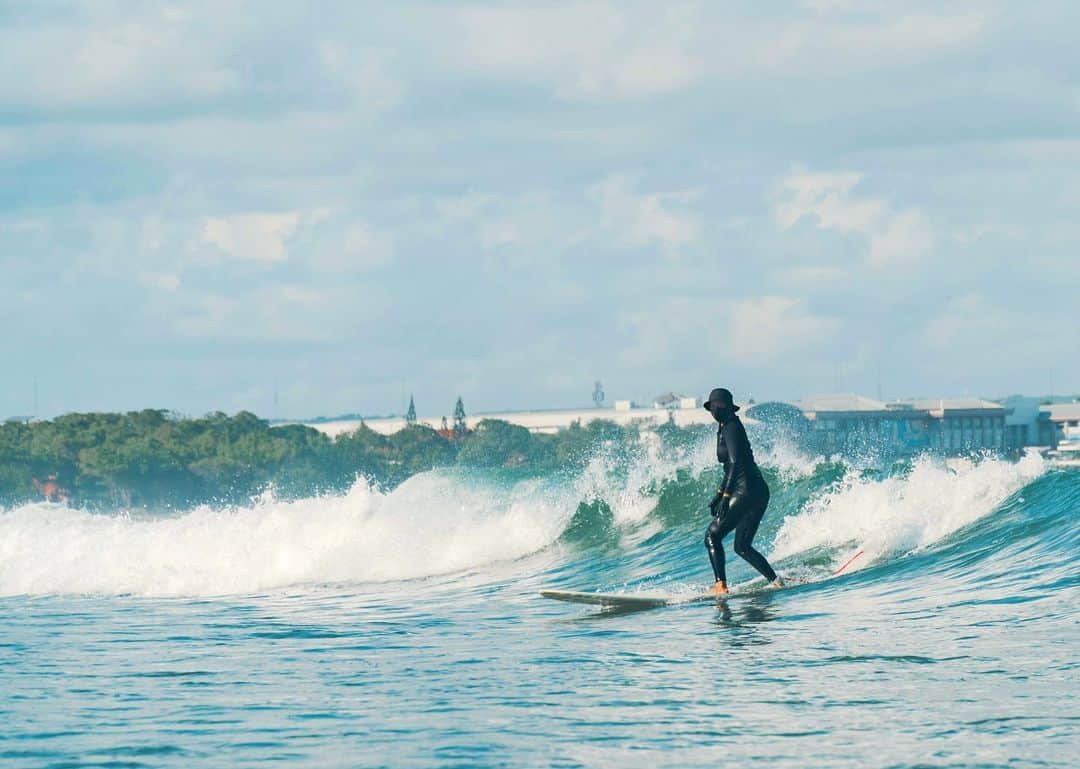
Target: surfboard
x=647 y=601
x=625 y=600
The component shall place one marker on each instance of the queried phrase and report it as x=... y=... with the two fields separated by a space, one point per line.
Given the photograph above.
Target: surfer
x=743 y=495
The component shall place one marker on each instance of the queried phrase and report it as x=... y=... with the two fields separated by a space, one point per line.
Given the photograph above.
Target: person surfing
x=740 y=502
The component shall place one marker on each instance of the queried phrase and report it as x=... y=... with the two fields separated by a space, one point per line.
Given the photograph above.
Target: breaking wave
x=629 y=516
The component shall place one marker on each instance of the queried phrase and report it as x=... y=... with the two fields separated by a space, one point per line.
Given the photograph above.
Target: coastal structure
x=670 y=400
x=1057 y=422
x=851 y=422
x=1065 y=451
x=832 y=423
x=541 y=421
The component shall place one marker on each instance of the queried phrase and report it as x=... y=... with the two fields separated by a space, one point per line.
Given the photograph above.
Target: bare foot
x=718 y=589
x=778 y=582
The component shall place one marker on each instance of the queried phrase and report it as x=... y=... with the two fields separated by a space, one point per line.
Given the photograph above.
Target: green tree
x=495 y=443
x=416 y=449
x=410 y=415
x=363 y=452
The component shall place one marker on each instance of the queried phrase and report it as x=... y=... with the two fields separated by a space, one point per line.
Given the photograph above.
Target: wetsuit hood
x=722 y=397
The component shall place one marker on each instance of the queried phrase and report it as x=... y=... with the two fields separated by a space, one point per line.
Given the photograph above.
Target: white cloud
x=812 y=276
x=498 y=234
x=989 y=334
x=765 y=328
x=366 y=248
x=147 y=58
x=258 y=237
x=278 y=312
x=753 y=330
x=334 y=239
x=906 y=237
x=164 y=281
x=463 y=207
x=892 y=238
x=824 y=6
x=364 y=71
x=830 y=44
x=970 y=320
x=667 y=329
x=646 y=219
x=583 y=50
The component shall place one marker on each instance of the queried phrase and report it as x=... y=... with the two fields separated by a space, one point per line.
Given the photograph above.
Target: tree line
x=157 y=460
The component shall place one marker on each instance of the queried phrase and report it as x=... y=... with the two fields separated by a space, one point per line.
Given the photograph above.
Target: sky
x=307 y=209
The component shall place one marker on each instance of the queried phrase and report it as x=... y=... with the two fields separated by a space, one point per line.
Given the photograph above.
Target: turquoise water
x=405 y=629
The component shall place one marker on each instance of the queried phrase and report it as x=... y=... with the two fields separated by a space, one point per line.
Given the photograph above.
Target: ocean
x=404 y=628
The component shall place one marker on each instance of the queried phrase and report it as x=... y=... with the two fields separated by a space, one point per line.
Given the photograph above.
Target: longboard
x=646 y=601
x=625 y=600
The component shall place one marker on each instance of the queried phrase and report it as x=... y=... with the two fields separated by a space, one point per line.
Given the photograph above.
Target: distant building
x=855 y=422
x=1021 y=421
x=1057 y=421
x=965 y=424
x=542 y=421
x=670 y=400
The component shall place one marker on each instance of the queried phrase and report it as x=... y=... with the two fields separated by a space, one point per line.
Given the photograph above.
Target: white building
x=549 y=421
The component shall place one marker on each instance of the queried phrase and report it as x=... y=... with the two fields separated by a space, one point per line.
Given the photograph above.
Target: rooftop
x=851 y=402
x=1059 y=412
x=840 y=402
x=954 y=404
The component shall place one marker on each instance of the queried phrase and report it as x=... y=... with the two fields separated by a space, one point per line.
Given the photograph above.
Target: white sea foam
x=905 y=512
x=790 y=462
x=432 y=524
x=630 y=487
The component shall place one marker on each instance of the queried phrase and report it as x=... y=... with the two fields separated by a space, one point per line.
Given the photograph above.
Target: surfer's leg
x=747 y=528
x=718 y=529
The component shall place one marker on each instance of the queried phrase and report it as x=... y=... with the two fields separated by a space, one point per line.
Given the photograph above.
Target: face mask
x=722 y=414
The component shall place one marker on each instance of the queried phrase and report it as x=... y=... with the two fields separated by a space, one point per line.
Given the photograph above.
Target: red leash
x=852 y=558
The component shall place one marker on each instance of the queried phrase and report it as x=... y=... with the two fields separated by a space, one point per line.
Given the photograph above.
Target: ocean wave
x=431 y=524
x=639 y=504
x=911 y=510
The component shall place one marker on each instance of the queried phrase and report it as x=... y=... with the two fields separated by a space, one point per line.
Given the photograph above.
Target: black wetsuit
x=749 y=498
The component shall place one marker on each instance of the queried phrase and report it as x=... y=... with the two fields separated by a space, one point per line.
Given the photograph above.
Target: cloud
x=583 y=50
x=749 y=332
x=578 y=179
x=365 y=72
x=892 y=237
x=906 y=237
x=279 y=312
x=163 y=55
x=335 y=239
x=498 y=234
x=668 y=328
x=990 y=335
x=463 y=207
x=163 y=281
x=645 y=219
x=835 y=41
x=765 y=328
x=366 y=248
x=813 y=277
x=970 y=320
x=256 y=237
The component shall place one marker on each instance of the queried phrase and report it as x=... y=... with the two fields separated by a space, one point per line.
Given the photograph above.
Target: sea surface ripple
x=405 y=629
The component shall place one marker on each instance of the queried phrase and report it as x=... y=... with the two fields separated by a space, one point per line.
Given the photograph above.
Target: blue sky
x=204 y=203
